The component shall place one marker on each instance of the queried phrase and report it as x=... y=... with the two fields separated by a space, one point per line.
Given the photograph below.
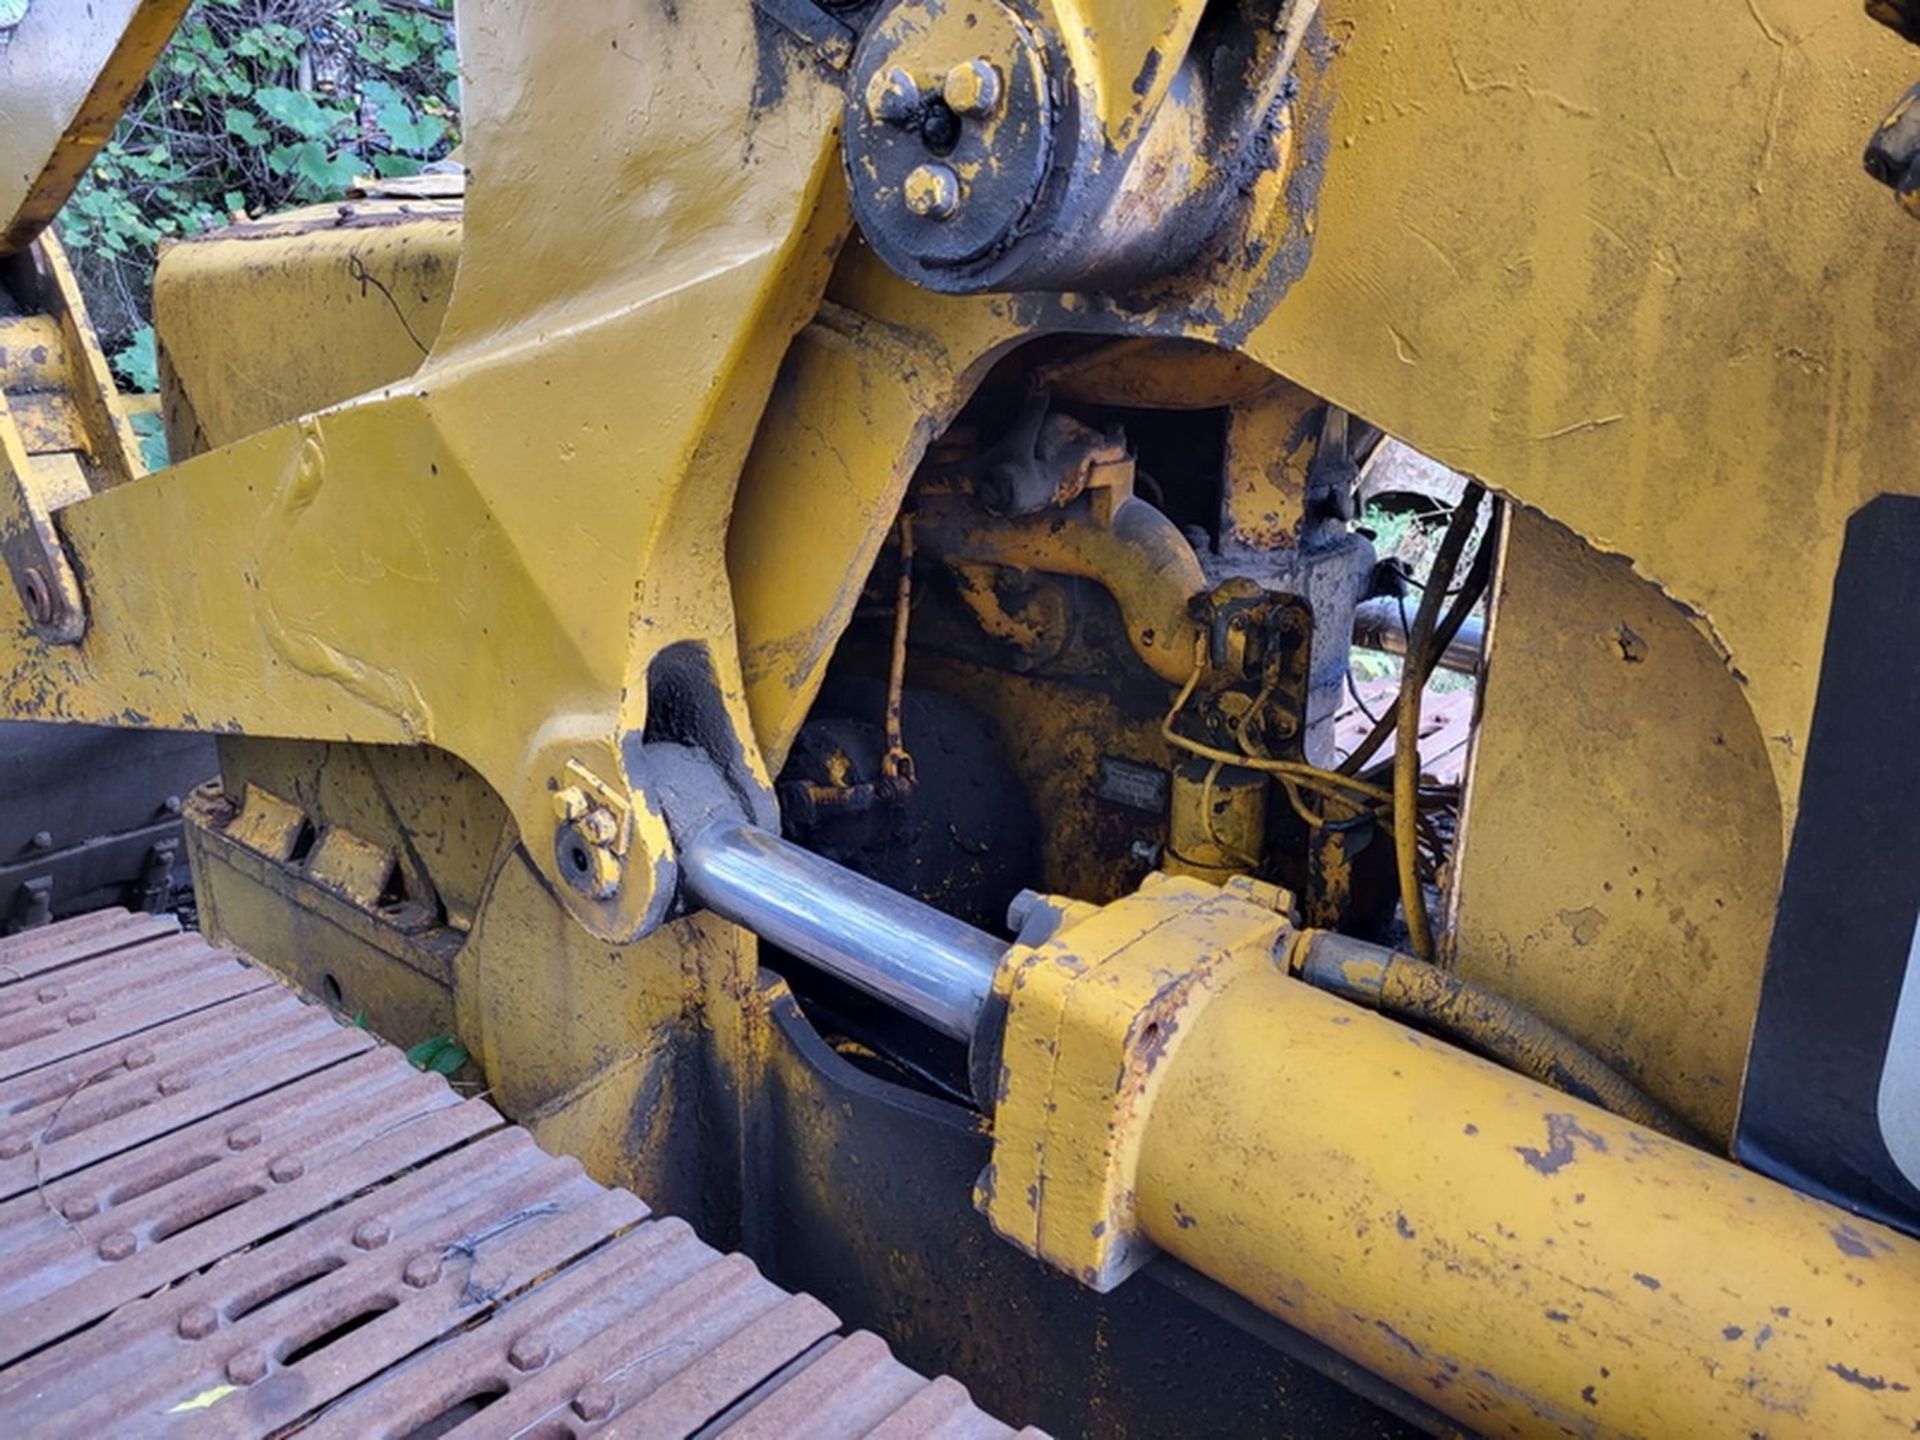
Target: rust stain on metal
x=218 y=1203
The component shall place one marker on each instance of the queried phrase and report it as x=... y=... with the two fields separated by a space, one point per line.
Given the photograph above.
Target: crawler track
x=221 y=1211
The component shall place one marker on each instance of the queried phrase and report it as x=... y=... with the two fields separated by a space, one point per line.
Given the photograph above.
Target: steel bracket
x=32 y=488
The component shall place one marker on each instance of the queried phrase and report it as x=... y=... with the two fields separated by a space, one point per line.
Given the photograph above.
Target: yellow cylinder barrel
x=1522 y=1261
x=1217 y=821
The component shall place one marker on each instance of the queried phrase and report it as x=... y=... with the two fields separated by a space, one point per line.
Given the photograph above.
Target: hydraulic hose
x=1423 y=995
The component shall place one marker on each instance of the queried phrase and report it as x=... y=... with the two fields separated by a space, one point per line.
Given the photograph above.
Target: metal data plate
x=224 y=1211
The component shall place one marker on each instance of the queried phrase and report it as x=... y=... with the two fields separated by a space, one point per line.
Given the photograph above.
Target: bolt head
x=47 y=994
x=173 y=1084
x=138 y=1058
x=594 y=1402
x=81 y=1015
x=529 y=1352
x=79 y=1207
x=570 y=803
x=422 y=1270
x=893 y=97
x=932 y=191
x=197 y=1322
x=243 y=1137
x=119 y=1245
x=286 y=1170
x=247 y=1368
x=973 y=89
x=371 y=1235
x=599 y=826
x=43 y=840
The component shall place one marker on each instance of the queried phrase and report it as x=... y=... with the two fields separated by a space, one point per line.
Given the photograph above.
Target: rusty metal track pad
x=222 y=1211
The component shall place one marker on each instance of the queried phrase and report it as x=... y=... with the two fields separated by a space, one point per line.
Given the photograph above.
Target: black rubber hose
x=1477 y=1019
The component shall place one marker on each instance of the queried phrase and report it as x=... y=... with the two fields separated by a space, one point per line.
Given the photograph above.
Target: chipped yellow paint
x=489 y=557
x=205 y=1400
x=1096 y=1017
x=66 y=71
x=1126 y=54
x=1523 y=1262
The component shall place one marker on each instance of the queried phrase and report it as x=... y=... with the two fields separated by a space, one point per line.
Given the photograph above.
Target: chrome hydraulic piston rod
x=921 y=962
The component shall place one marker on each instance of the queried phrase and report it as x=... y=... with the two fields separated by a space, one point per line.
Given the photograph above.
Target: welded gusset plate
x=222 y=1209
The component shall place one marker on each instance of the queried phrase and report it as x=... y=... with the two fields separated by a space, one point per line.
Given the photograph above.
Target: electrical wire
x=1406 y=759
x=1290 y=773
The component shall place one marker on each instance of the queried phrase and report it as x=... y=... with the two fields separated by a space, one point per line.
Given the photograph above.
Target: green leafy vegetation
x=440 y=1055
x=255 y=106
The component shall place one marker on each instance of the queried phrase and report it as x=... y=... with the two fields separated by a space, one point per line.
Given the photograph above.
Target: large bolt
x=422 y=1271
x=892 y=97
x=973 y=89
x=371 y=1234
x=932 y=191
x=118 y=1246
x=80 y=1207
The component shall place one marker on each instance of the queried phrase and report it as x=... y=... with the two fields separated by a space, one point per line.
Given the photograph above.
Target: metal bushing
x=585 y=861
x=949 y=131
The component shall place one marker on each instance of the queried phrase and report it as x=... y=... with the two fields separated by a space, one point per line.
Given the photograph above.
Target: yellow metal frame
x=67 y=71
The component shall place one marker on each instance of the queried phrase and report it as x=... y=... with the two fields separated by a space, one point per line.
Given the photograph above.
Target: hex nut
x=79 y=1207
x=595 y=1401
x=893 y=97
x=529 y=1352
x=422 y=1271
x=932 y=191
x=973 y=88
x=119 y=1245
x=247 y=1368
x=371 y=1235
x=243 y=1137
x=197 y=1322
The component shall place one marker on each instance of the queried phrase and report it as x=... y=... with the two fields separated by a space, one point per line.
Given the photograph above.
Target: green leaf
x=439 y=1055
x=242 y=125
x=408 y=133
x=151 y=431
x=137 y=363
x=390 y=167
x=298 y=111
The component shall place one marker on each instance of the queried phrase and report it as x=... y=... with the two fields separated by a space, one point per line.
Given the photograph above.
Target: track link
x=222 y=1211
